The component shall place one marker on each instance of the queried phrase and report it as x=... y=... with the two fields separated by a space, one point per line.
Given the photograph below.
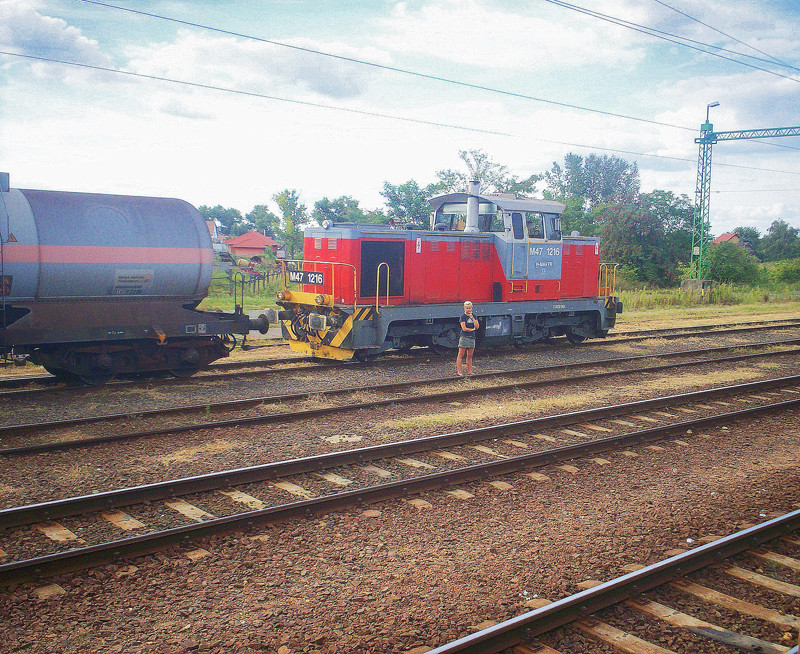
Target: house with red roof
x=733 y=237
x=251 y=244
x=730 y=237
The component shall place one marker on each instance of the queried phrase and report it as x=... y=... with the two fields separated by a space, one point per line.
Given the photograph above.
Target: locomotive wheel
x=365 y=355
x=442 y=350
x=184 y=372
x=575 y=339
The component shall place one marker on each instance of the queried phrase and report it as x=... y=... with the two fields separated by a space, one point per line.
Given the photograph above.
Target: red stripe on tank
x=16 y=253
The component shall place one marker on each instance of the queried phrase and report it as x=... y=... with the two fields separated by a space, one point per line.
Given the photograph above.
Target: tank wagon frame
x=365 y=289
x=97 y=285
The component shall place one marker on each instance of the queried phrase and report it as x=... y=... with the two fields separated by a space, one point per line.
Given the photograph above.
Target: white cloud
x=474 y=34
x=25 y=31
x=257 y=67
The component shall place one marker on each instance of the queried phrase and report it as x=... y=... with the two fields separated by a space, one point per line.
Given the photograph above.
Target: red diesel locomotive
x=369 y=288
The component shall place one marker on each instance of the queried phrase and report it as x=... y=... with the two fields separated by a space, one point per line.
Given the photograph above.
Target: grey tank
x=89 y=245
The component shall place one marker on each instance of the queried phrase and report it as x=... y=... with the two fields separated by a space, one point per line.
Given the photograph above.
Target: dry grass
x=6 y=490
x=188 y=454
x=706 y=315
x=482 y=410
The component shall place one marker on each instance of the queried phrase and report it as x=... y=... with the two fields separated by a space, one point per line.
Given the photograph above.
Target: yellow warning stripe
x=344 y=330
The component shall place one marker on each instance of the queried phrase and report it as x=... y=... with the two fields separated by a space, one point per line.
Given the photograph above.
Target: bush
x=786 y=272
x=731 y=264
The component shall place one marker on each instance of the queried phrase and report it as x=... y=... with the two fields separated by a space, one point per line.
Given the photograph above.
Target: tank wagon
x=97 y=285
x=364 y=289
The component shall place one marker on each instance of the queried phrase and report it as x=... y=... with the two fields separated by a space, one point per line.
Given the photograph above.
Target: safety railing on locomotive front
x=301 y=266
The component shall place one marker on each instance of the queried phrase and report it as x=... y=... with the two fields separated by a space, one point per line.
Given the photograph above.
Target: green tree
x=264 y=220
x=633 y=236
x=675 y=213
x=730 y=263
x=494 y=177
x=596 y=179
x=227 y=218
x=343 y=209
x=780 y=242
x=751 y=235
x=407 y=202
x=294 y=217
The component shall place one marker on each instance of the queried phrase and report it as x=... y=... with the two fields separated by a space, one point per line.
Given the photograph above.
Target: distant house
x=733 y=237
x=251 y=244
x=212 y=229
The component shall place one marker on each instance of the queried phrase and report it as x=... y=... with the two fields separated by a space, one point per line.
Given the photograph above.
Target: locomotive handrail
x=302 y=262
x=606 y=270
x=378 y=285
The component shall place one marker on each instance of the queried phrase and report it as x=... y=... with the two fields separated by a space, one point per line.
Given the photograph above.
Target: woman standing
x=466 y=343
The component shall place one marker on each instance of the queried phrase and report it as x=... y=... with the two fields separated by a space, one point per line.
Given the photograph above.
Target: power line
x=361 y=112
x=661 y=156
x=666 y=36
x=394 y=69
x=253 y=94
x=725 y=34
x=759 y=190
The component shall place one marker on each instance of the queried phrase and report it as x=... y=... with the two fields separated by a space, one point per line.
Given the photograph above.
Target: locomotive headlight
x=320 y=299
x=326 y=224
x=284 y=295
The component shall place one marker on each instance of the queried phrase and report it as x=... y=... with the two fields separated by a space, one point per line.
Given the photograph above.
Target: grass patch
x=486 y=409
x=193 y=453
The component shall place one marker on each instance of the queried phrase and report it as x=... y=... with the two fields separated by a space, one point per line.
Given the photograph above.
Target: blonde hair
x=467 y=303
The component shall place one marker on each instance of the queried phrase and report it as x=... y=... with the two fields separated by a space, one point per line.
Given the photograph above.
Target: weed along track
x=287 y=407
x=90 y=529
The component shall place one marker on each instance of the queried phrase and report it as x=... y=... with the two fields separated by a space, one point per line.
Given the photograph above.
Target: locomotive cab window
x=553 y=222
x=373 y=254
x=535 y=225
x=491 y=223
x=517 y=225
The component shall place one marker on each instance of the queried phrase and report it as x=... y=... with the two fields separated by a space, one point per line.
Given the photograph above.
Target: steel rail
x=534 y=623
x=18 y=571
x=52 y=510
x=313 y=413
x=49 y=380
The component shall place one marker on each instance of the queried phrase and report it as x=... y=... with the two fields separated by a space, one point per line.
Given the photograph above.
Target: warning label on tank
x=132 y=282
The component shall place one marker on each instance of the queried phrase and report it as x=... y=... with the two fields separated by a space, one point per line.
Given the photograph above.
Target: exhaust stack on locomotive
x=95 y=285
x=364 y=289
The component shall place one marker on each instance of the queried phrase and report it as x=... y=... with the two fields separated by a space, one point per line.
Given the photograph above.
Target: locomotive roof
x=504 y=201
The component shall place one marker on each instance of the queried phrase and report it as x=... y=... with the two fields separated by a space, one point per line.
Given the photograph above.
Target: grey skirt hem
x=466 y=342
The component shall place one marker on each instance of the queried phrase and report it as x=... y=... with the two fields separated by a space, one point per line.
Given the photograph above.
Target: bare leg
x=469 y=360
x=461 y=352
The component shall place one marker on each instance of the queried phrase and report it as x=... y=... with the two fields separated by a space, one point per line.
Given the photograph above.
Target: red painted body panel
x=447 y=270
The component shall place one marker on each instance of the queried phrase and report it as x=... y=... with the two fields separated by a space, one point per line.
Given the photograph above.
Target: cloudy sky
x=259 y=109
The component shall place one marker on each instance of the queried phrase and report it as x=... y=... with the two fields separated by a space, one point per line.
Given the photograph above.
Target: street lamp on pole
x=708 y=108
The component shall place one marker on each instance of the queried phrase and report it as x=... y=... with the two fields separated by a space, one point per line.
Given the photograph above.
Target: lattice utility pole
x=700 y=226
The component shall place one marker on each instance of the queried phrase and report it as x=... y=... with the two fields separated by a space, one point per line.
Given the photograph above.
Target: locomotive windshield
x=453 y=217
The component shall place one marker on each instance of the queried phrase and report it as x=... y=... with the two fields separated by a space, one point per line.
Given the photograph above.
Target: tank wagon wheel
x=190 y=360
x=441 y=350
x=96 y=377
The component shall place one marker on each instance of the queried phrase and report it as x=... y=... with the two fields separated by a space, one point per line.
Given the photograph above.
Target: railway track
x=646 y=602
x=91 y=529
x=15 y=386
x=20 y=439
